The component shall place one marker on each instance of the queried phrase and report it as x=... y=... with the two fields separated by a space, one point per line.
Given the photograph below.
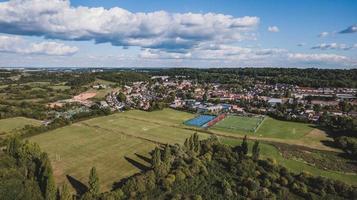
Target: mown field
x=118 y=145
x=238 y=123
x=270 y=128
x=13 y=124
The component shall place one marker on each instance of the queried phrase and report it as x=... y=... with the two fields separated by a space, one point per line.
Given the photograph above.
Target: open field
x=104 y=142
x=238 y=123
x=116 y=143
x=13 y=124
x=270 y=128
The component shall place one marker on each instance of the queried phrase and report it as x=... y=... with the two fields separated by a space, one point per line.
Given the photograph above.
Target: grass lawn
x=73 y=150
x=13 y=124
x=104 y=142
x=283 y=129
x=270 y=128
x=238 y=123
x=111 y=144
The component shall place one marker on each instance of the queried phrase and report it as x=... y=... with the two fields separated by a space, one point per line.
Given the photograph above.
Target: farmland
x=118 y=145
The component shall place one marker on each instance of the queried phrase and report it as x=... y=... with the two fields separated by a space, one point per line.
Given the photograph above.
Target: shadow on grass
x=137 y=164
x=144 y=158
x=120 y=183
x=80 y=187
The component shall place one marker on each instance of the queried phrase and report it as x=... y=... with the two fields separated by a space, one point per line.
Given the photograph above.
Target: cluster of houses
x=217 y=98
x=112 y=102
x=271 y=96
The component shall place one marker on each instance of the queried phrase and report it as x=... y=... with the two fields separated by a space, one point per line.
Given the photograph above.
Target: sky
x=185 y=33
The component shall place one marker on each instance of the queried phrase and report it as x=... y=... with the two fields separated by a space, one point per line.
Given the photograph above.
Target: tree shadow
x=80 y=187
x=137 y=164
x=120 y=183
x=144 y=158
x=329 y=143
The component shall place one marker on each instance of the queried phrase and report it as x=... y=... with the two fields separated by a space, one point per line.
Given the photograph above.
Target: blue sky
x=186 y=33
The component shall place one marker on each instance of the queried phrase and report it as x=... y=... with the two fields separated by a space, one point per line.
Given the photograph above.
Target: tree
x=205 y=97
x=244 y=146
x=255 y=151
x=93 y=182
x=65 y=194
x=156 y=158
x=50 y=188
x=167 y=154
x=46 y=179
x=121 y=97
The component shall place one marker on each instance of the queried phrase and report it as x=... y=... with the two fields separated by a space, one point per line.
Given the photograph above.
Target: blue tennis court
x=200 y=120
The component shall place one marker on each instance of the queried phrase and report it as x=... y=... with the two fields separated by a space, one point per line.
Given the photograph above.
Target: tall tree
x=156 y=158
x=167 y=154
x=50 y=188
x=256 y=151
x=65 y=194
x=93 y=182
x=244 y=146
x=46 y=179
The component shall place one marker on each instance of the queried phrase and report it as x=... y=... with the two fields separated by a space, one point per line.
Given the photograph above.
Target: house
x=177 y=103
x=274 y=101
x=237 y=109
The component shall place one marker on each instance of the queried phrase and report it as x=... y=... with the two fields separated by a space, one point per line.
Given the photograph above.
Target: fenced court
x=200 y=120
x=240 y=123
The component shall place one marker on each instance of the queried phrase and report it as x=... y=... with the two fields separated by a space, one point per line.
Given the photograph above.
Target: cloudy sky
x=182 y=33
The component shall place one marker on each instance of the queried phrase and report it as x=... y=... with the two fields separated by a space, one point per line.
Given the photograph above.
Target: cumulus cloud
x=214 y=52
x=333 y=46
x=15 y=44
x=324 y=34
x=273 y=29
x=156 y=30
x=351 y=29
x=317 y=57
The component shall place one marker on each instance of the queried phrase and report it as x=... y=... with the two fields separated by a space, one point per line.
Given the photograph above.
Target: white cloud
x=351 y=29
x=317 y=57
x=324 y=34
x=336 y=46
x=273 y=29
x=221 y=52
x=156 y=30
x=15 y=44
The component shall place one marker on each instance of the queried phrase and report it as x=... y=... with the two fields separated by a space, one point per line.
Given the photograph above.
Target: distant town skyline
x=187 y=33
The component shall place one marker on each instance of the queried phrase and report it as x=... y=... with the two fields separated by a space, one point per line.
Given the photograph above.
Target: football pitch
x=239 y=123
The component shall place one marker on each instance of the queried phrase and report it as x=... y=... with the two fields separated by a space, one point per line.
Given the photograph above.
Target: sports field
x=118 y=145
x=239 y=123
x=283 y=129
x=113 y=144
x=16 y=123
x=269 y=127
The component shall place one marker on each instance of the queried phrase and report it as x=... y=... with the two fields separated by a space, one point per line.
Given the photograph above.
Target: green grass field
x=270 y=128
x=238 y=123
x=104 y=142
x=282 y=129
x=13 y=124
x=115 y=145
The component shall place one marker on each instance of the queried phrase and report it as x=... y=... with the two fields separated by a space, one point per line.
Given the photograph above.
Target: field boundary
x=215 y=120
x=260 y=124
